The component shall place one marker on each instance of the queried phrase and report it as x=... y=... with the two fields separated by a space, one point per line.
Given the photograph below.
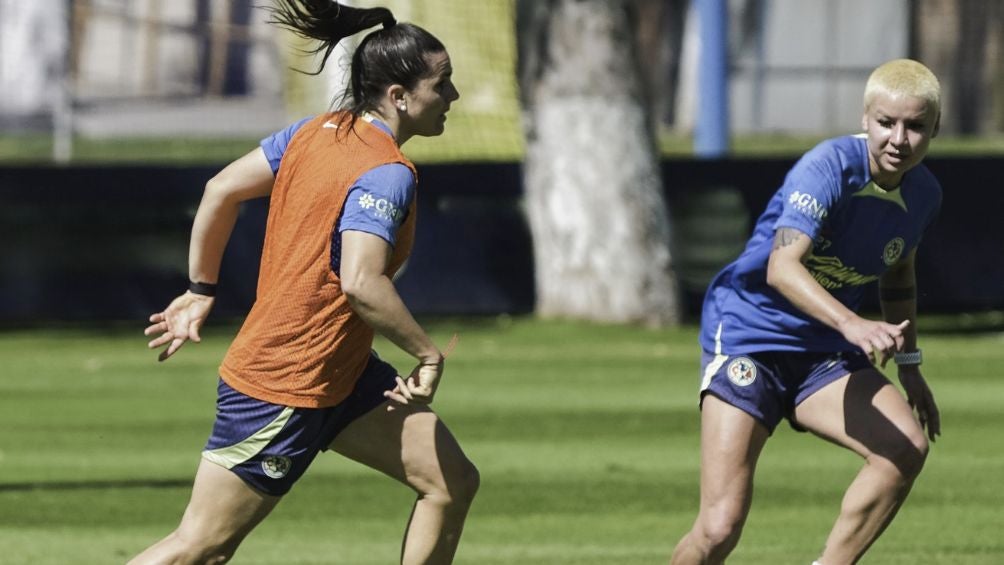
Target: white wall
x=816 y=58
x=33 y=39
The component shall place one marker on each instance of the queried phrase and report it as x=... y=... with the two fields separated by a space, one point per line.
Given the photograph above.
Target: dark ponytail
x=392 y=55
x=326 y=21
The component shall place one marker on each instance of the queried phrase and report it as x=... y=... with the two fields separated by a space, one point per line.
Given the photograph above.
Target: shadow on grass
x=94 y=485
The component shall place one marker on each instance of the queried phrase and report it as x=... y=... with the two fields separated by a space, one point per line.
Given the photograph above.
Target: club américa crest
x=276 y=466
x=893 y=250
x=741 y=371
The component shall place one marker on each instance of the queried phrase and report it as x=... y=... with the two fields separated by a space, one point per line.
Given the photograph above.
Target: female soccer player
x=300 y=376
x=782 y=338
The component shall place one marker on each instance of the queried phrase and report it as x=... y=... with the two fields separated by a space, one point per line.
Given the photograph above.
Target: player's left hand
x=420 y=386
x=918 y=394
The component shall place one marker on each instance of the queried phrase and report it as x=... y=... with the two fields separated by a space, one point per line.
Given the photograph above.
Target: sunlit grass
x=586 y=437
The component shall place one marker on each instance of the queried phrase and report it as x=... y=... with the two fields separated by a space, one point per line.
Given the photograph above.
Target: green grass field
x=586 y=437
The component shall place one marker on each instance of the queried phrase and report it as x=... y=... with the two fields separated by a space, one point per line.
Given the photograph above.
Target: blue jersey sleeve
x=275 y=144
x=378 y=202
x=810 y=192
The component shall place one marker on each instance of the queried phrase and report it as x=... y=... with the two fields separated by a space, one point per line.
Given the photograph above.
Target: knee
x=456 y=487
x=909 y=455
x=921 y=448
x=192 y=547
x=217 y=555
x=718 y=531
x=465 y=483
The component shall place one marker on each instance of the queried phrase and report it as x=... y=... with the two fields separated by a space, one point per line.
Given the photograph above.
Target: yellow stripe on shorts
x=231 y=456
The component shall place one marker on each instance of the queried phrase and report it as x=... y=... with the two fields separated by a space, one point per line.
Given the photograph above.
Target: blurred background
x=114 y=114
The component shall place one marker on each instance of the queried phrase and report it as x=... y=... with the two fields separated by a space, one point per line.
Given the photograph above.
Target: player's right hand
x=879 y=340
x=178 y=323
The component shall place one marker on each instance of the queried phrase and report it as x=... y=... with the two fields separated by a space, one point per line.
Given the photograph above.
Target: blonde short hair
x=904 y=77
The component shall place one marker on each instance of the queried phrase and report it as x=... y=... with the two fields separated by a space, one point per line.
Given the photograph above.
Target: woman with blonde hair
x=782 y=337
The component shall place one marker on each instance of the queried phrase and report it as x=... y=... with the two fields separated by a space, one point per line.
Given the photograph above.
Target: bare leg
x=731 y=441
x=222 y=511
x=866 y=414
x=410 y=444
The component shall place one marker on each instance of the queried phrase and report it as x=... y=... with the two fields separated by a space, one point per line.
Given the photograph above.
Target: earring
x=402 y=107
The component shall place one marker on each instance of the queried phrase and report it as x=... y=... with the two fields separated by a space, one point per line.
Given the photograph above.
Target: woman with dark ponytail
x=300 y=376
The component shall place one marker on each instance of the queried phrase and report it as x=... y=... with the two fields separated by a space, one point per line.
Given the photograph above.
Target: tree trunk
x=960 y=40
x=593 y=189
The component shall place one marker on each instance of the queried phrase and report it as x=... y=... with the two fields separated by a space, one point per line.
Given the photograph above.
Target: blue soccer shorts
x=768 y=385
x=270 y=446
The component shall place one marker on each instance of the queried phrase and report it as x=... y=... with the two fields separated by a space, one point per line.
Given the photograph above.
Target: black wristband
x=203 y=288
x=912 y=358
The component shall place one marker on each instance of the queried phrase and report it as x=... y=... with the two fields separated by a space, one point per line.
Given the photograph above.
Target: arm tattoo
x=786 y=236
x=897 y=294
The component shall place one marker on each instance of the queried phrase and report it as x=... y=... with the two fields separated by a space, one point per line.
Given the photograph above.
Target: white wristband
x=912 y=358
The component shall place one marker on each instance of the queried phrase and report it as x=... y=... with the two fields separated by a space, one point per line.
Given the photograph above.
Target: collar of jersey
x=371 y=119
x=875 y=191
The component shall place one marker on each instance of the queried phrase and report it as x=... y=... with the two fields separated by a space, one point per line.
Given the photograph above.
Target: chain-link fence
x=216 y=68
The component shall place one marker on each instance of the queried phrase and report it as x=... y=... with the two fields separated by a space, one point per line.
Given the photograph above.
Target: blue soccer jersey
x=859 y=231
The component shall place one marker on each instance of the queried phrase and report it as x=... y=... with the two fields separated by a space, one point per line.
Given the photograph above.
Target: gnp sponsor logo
x=808 y=205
